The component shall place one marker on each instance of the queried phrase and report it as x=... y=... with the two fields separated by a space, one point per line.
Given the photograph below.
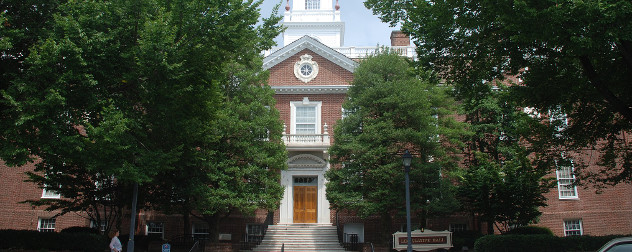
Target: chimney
x=398 y=38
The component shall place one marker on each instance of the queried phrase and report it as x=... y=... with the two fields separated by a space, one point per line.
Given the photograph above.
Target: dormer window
x=312 y=4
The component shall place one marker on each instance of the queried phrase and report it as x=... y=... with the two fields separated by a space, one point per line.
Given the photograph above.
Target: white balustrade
x=306 y=140
x=358 y=52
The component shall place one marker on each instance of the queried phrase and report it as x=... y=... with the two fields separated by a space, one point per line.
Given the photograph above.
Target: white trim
x=308 y=161
x=581 y=227
x=50 y=194
x=51 y=225
x=286 y=211
x=307 y=42
x=305 y=103
x=162 y=227
x=563 y=175
x=306 y=61
x=196 y=230
x=330 y=89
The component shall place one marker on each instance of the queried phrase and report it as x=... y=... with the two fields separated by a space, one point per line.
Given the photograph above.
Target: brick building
x=311 y=74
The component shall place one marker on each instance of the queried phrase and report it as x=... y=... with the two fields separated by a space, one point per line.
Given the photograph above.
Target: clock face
x=306 y=69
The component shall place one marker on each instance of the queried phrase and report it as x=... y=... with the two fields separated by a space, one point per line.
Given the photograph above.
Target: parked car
x=623 y=244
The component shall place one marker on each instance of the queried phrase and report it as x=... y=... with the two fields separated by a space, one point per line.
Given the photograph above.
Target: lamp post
x=407 y=159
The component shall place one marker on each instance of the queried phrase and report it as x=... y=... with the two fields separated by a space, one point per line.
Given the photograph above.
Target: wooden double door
x=305 y=204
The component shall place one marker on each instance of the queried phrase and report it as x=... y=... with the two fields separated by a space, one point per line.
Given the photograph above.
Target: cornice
x=313 y=24
x=307 y=42
x=329 y=89
x=308 y=161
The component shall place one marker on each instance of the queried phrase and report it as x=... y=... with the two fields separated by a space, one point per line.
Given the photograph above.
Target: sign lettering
x=424 y=240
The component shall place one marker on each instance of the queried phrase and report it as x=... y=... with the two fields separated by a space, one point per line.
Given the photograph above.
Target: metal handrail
x=251 y=241
x=196 y=244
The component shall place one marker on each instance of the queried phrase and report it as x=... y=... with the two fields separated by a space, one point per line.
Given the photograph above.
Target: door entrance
x=305 y=202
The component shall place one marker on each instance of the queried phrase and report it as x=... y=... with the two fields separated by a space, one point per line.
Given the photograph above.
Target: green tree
x=501 y=183
x=22 y=24
x=390 y=109
x=573 y=56
x=129 y=90
x=245 y=156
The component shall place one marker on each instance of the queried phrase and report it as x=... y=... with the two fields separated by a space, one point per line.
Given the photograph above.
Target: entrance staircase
x=300 y=237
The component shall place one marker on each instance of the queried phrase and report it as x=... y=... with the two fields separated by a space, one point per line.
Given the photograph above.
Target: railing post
x=284 y=135
x=326 y=134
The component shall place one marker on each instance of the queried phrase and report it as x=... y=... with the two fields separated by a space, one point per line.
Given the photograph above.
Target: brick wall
x=16 y=215
x=398 y=38
x=329 y=73
x=602 y=212
x=331 y=110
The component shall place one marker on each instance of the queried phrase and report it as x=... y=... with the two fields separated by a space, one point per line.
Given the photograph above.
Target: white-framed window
x=559 y=119
x=566 y=179
x=353 y=233
x=200 y=231
x=155 y=229
x=50 y=194
x=305 y=117
x=344 y=113
x=254 y=232
x=456 y=227
x=312 y=4
x=573 y=227
x=101 y=227
x=46 y=225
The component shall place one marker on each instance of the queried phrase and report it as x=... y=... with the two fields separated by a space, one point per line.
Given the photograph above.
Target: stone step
x=296 y=248
x=300 y=237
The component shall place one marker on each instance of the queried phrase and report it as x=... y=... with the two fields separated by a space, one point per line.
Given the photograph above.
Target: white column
x=286 y=211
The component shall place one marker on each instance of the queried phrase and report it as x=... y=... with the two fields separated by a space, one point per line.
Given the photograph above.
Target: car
x=623 y=244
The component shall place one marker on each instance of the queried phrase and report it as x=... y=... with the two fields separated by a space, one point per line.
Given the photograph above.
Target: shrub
x=33 y=240
x=518 y=243
x=83 y=230
x=464 y=238
x=587 y=243
x=530 y=230
x=540 y=242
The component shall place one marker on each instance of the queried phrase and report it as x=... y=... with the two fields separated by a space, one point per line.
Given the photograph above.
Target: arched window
x=312 y=4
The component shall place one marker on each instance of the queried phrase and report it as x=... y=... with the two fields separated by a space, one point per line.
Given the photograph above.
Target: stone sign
x=423 y=241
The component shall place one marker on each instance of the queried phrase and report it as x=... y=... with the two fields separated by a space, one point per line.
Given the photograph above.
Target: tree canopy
x=137 y=90
x=502 y=182
x=389 y=110
x=573 y=57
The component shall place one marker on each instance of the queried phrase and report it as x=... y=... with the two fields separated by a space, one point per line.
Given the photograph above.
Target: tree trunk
x=384 y=235
x=187 y=223
x=213 y=227
x=490 y=227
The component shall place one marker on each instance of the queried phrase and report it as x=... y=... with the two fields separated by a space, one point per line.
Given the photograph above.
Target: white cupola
x=319 y=19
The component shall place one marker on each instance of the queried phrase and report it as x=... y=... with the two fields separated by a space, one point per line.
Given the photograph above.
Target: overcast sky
x=362 y=28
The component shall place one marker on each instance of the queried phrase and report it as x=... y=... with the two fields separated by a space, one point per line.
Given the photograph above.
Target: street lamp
x=407 y=159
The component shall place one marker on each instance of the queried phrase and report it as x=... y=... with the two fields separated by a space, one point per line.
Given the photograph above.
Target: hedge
x=52 y=241
x=540 y=243
x=530 y=230
x=464 y=238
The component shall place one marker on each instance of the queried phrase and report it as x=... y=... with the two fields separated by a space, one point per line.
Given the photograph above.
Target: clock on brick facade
x=306 y=69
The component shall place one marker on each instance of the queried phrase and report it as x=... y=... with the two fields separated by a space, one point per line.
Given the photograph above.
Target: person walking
x=115 y=243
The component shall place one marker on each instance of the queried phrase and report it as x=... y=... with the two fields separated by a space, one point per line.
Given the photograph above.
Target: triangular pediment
x=307 y=42
x=306 y=161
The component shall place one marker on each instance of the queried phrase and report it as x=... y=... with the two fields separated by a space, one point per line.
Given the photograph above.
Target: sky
x=362 y=28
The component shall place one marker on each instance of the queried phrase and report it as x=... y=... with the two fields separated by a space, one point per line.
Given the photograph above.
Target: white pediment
x=307 y=42
x=306 y=161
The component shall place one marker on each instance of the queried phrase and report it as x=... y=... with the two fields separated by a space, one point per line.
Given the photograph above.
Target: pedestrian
x=115 y=244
